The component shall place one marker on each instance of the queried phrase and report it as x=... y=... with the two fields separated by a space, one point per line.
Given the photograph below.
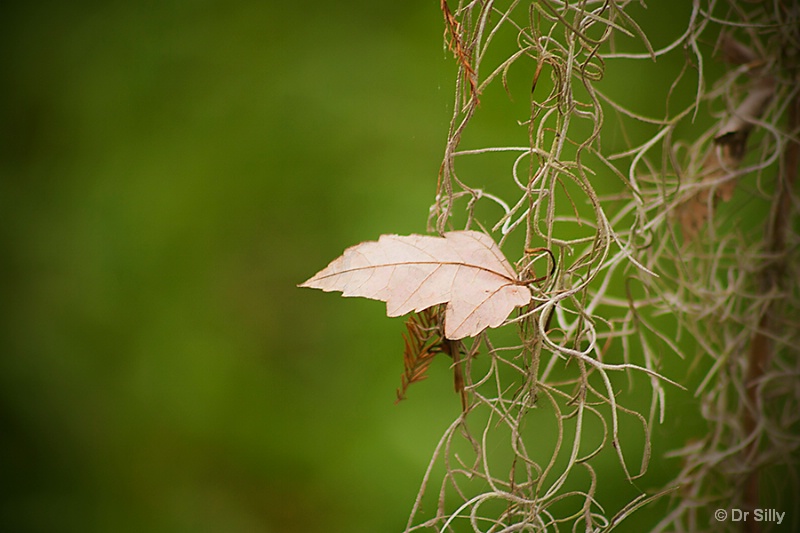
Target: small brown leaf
x=423 y=341
x=736 y=53
x=724 y=158
x=464 y=269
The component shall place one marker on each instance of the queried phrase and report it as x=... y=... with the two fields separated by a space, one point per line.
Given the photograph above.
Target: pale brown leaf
x=724 y=158
x=464 y=269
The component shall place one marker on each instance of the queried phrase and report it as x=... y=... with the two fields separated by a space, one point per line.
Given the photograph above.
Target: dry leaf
x=464 y=269
x=459 y=48
x=424 y=340
x=726 y=154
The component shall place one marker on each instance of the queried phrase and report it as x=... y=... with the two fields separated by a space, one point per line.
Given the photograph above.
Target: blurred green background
x=169 y=171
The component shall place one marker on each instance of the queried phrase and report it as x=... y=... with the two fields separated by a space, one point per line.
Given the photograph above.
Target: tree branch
x=772 y=275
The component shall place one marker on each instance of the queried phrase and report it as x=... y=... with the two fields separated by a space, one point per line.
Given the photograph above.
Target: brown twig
x=771 y=280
